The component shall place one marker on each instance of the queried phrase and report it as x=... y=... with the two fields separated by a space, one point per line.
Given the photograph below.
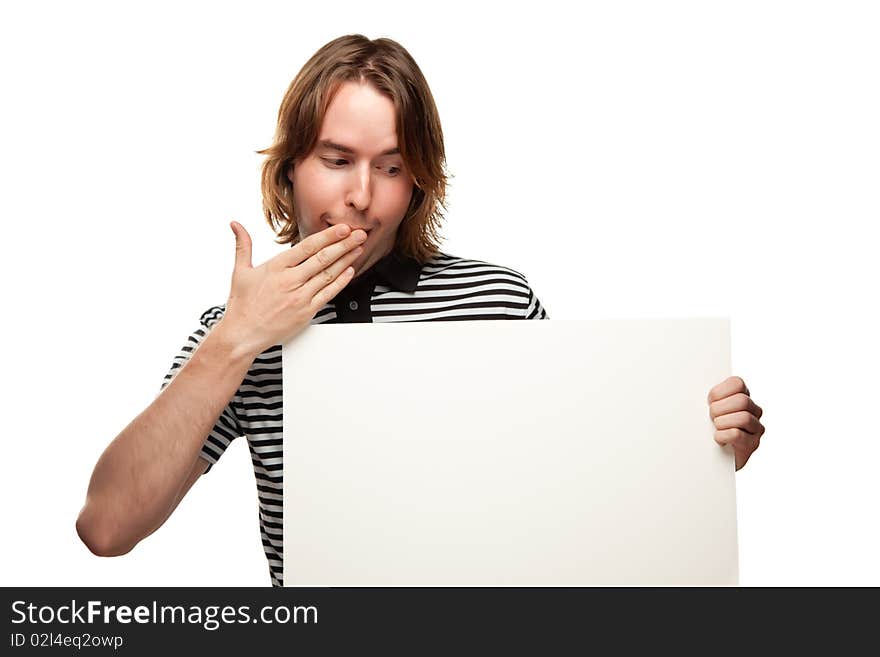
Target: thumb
x=242 y=245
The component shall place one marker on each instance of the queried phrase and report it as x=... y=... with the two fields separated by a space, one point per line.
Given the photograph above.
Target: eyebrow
x=326 y=143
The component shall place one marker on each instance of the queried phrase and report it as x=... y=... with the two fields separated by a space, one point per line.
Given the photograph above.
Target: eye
x=393 y=171
x=334 y=162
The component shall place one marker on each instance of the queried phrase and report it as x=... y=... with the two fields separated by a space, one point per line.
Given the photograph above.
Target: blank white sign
x=520 y=453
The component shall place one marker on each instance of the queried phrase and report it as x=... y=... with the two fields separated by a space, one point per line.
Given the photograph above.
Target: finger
x=738 y=438
x=242 y=245
x=325 y=277
x=311 y=245
x=326 y=294
x=738 y=402
x=324 y=258
x=730 y=386
x=739 y=420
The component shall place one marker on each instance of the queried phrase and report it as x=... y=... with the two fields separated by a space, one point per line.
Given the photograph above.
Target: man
x=354 y=181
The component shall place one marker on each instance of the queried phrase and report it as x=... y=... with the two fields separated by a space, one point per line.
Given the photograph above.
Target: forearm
x=139 y=476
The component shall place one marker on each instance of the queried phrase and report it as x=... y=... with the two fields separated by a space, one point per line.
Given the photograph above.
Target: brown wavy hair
x=393 y=72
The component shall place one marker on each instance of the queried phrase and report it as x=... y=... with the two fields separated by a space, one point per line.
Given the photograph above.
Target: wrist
x=228 y=343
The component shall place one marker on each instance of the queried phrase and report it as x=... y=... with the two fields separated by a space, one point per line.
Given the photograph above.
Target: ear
x=290 y=173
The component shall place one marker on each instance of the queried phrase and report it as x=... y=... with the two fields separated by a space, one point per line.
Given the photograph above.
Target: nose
x=358 y=194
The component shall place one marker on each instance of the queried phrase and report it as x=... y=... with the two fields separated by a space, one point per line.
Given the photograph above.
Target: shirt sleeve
x=535 y=310
x=227 y=426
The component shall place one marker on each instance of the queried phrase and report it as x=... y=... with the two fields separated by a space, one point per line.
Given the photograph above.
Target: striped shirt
x=394 y=290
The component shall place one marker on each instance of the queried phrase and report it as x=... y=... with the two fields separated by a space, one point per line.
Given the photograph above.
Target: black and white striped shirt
x=394 y=290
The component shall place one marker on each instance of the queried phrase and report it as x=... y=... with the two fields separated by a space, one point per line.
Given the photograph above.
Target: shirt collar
x=398 y=271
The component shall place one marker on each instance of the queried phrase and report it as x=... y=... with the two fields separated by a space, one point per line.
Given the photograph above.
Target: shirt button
x=353 y=305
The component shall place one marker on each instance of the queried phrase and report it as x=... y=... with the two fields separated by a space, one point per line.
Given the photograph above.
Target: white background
x=632 y=159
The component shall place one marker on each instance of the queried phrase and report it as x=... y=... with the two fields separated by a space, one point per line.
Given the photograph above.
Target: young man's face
x=353 y=176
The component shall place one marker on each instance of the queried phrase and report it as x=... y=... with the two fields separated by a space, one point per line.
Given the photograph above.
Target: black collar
x=397 y=271
x=354 y=303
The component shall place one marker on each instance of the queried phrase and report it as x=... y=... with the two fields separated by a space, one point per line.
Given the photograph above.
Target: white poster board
x=519 y=453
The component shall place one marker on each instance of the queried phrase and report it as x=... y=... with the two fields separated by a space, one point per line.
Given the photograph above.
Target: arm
x=148 y=468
